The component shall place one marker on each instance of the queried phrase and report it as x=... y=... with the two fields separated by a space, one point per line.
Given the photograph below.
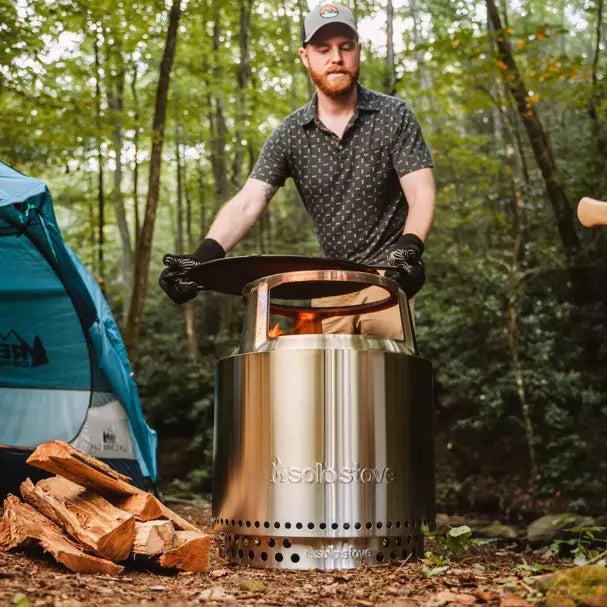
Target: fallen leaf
x=214 y=594
x=486 y=596
x=251 y=586
x=453 y=597
x=514 y=601
x=219 y=572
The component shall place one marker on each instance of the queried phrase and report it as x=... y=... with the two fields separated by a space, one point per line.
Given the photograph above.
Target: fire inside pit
x=323 y=442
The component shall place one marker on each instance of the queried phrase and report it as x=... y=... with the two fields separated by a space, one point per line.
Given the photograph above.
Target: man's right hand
x=174 y=279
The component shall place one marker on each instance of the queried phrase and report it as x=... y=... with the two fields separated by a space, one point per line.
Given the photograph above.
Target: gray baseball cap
x=325 y=14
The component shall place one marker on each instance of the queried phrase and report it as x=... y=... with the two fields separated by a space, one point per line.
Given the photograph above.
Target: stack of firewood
x=90 y=518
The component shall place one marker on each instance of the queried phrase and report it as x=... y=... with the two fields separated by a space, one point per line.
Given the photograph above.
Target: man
x=358 y=159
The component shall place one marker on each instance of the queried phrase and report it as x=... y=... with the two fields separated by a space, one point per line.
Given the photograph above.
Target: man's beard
x=335 y=86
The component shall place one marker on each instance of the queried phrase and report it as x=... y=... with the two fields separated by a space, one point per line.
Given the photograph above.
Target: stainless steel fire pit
x=323 y=443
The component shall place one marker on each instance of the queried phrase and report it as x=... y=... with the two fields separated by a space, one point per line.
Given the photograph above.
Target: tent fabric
x=45 y=285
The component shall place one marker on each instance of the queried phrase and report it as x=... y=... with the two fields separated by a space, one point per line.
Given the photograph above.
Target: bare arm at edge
x=237 y=216
x=419 y=190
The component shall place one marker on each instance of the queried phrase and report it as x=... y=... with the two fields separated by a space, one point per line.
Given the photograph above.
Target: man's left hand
x=407 y=257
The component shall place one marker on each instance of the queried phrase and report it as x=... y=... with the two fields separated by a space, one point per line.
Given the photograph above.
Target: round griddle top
x=232 y=274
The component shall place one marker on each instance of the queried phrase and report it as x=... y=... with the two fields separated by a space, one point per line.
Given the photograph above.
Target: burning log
x=62 y=459
x=154 y=537
x=192 y=553
x=86 y=516
x=22 y=526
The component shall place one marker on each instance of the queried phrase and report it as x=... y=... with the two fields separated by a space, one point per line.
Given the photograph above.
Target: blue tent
x=64 y=373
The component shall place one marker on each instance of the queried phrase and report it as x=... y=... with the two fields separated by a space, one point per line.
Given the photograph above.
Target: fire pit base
x=280 y=552
x=323 y=443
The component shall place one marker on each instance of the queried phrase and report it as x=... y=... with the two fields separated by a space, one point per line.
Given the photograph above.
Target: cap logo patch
x=329 y=11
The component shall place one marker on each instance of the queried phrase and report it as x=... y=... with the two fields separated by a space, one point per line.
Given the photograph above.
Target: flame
x=275 y=331
x=304 y=323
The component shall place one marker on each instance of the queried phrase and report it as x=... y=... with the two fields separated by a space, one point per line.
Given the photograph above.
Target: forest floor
x=497 y=574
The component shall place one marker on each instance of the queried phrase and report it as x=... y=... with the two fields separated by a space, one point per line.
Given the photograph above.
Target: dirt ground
x=494 y=574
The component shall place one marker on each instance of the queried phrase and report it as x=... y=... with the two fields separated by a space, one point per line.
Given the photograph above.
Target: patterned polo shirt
x=350 y=186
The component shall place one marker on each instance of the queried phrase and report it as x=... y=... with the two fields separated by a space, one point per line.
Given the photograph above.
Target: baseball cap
x=325 y=14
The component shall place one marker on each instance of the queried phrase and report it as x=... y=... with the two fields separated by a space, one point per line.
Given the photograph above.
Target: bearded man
x=360 y=164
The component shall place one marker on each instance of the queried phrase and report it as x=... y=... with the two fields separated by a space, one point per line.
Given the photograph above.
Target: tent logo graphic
x=109 y=439
x=16 y=352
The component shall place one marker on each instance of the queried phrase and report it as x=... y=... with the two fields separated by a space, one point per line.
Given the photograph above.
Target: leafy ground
x=494 y=574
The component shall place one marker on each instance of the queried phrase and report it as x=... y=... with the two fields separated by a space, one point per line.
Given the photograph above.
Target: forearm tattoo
x=268 y=191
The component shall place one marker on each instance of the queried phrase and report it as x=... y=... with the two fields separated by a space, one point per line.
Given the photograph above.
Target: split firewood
x=86 y=516
x=154 y=537
x=22 y=526
x=192 y=553
x=62 y=459
x=144 y=507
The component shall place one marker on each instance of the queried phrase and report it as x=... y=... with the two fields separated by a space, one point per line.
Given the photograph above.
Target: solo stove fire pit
x=323 y=455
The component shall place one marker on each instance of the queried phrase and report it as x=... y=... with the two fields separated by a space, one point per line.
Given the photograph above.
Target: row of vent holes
x=278 y=557
x=287 y=544
x=368 y=525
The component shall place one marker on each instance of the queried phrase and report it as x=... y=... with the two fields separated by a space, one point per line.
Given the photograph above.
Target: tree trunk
x=115 y=99
x=179 y=248
x=542 y=150
x=513 y=297
x=217 y=123
x=100 y=194
x=303 y=9
x=390 y=71
x=136 y=156
x=425 y=79
x=287 y=22
x=144 y=250
x=595 y=96
x=244 y=71
x=201 y=198
x=188 y=308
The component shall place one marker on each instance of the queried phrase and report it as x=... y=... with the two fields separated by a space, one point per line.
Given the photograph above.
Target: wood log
x=86 y=516
x=144 y=507
x=23 y=526
x=62 y=459
x=154 y=537
x=192 y=553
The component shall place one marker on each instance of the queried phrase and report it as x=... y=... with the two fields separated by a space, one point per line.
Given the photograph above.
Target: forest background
x=144 y=117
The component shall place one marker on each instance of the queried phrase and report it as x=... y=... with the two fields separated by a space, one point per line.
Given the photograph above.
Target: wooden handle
x=592 y=212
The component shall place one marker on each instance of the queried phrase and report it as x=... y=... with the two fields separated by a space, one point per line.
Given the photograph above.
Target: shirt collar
x=366 y=101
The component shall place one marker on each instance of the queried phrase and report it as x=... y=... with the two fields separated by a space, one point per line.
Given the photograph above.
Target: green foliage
x=20 y=600
x=453 y=542
x=589 y=543
x=441 y=570
x=457 y=539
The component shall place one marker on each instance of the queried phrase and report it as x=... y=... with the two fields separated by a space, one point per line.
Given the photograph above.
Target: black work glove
x=174 y=280
x=407 y=256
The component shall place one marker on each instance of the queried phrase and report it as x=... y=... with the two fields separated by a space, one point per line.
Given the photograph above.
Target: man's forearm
x=237 y=216
x=420 y=218
x=420 y=193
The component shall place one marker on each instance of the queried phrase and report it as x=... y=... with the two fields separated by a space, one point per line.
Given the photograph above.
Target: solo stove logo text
x=338 y=553
x=319 y=473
